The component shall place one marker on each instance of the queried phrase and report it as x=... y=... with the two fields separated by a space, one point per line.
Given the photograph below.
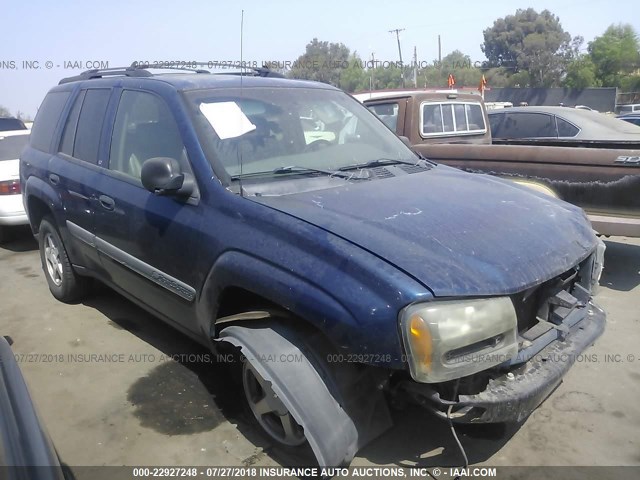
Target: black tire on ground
x=64 y=283
x=3 y=234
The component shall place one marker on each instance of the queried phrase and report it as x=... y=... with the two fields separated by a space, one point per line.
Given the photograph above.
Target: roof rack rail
x=106 y=72
x=142 y=70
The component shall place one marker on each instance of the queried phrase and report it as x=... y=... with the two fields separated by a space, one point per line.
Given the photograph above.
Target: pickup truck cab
x=282 y=221
x=602 y=178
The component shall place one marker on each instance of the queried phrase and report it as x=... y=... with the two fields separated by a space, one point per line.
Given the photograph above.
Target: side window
x=528 y=125
x=387 y=112
x=565 y=129
x=144 y=128
x=47 y=120
x=69 y=132
x=90 y=123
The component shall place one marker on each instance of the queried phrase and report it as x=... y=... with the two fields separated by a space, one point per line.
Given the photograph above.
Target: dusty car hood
x=457 y=233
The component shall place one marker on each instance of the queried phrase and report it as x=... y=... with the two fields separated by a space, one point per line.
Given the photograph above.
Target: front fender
x=284 y=288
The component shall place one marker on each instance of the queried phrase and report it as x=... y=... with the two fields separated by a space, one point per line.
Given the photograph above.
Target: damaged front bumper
x=514 y=393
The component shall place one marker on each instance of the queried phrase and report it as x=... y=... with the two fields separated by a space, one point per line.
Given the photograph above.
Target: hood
x=459 y=234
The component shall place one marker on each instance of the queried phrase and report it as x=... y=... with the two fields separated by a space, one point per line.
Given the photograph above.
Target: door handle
x=54 y=179
x=107 y=203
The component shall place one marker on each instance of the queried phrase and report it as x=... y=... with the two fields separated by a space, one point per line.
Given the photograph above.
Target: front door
x=147 y=243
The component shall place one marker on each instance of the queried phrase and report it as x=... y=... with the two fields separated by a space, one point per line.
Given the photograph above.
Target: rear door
x=74 y=173
x=148 y=244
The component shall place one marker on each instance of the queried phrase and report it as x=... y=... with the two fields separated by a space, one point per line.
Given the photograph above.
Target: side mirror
x=163 y=176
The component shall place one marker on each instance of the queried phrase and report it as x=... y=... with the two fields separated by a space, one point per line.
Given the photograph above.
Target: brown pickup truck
x=453 y=129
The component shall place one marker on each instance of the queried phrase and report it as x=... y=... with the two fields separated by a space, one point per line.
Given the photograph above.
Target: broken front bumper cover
x=514 y=395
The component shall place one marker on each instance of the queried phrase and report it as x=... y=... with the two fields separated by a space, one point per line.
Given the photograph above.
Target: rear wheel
x=63 y=281
x=3 y=234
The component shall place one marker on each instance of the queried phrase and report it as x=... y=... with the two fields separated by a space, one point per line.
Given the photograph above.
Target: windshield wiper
x=298 y=169
x=331 y=173
x=383 y=161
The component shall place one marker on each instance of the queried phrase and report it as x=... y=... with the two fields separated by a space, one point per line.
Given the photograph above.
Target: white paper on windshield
x=227 y=119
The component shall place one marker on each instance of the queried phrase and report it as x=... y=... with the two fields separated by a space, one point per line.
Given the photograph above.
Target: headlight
x=452 y=339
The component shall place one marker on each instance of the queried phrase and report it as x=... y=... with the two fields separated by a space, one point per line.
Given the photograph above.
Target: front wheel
x=268 y=410
x=63 y=281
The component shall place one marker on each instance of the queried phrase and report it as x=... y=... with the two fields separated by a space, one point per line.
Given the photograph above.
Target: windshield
x=259 y=130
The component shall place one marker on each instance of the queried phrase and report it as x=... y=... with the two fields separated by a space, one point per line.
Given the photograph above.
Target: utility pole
x=397 y=32
x=439 y=52
x=372 y=79
x=415 y=67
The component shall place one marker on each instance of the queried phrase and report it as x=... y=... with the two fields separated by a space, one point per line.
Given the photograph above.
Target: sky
x=64 y=35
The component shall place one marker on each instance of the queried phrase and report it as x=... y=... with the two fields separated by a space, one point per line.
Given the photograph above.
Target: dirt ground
x=132 y=403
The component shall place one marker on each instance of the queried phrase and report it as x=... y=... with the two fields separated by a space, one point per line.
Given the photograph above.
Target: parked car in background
x=561 y=126
x=11 y=208
x=11 y=123
x=446 y=127
x=282 y=218
x=633 y=118
x=630 y=108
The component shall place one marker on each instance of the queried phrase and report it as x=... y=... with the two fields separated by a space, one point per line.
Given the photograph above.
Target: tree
x=322 y=62
x=615 y=55
x=354 y=77
x=531 y=42
x=581 y=73
x=4 y=112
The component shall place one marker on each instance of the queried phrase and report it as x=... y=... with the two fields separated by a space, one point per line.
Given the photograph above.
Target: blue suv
x=281 y=221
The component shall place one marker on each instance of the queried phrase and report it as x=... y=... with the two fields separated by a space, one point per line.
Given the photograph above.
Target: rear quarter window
x=566 y=129
x=47 y=119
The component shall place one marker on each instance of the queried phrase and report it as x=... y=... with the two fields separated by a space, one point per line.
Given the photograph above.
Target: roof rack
x=142 y=70
x=106 y=72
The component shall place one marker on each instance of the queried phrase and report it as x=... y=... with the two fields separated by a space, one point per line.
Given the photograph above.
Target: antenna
x=241 y=78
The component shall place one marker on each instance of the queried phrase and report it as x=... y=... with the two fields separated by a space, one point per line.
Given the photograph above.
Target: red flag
x=483 y=84
x=451 y=81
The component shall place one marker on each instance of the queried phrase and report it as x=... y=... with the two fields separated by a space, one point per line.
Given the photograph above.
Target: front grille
x=550 y=302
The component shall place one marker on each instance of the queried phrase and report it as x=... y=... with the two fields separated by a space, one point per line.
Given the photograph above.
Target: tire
x=64 y=284
x=3 y=234
x=316 y=430
x=268 y=413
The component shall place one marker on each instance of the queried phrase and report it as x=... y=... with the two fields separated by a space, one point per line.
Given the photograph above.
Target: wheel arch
x=40 y=201
x=241 y=287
